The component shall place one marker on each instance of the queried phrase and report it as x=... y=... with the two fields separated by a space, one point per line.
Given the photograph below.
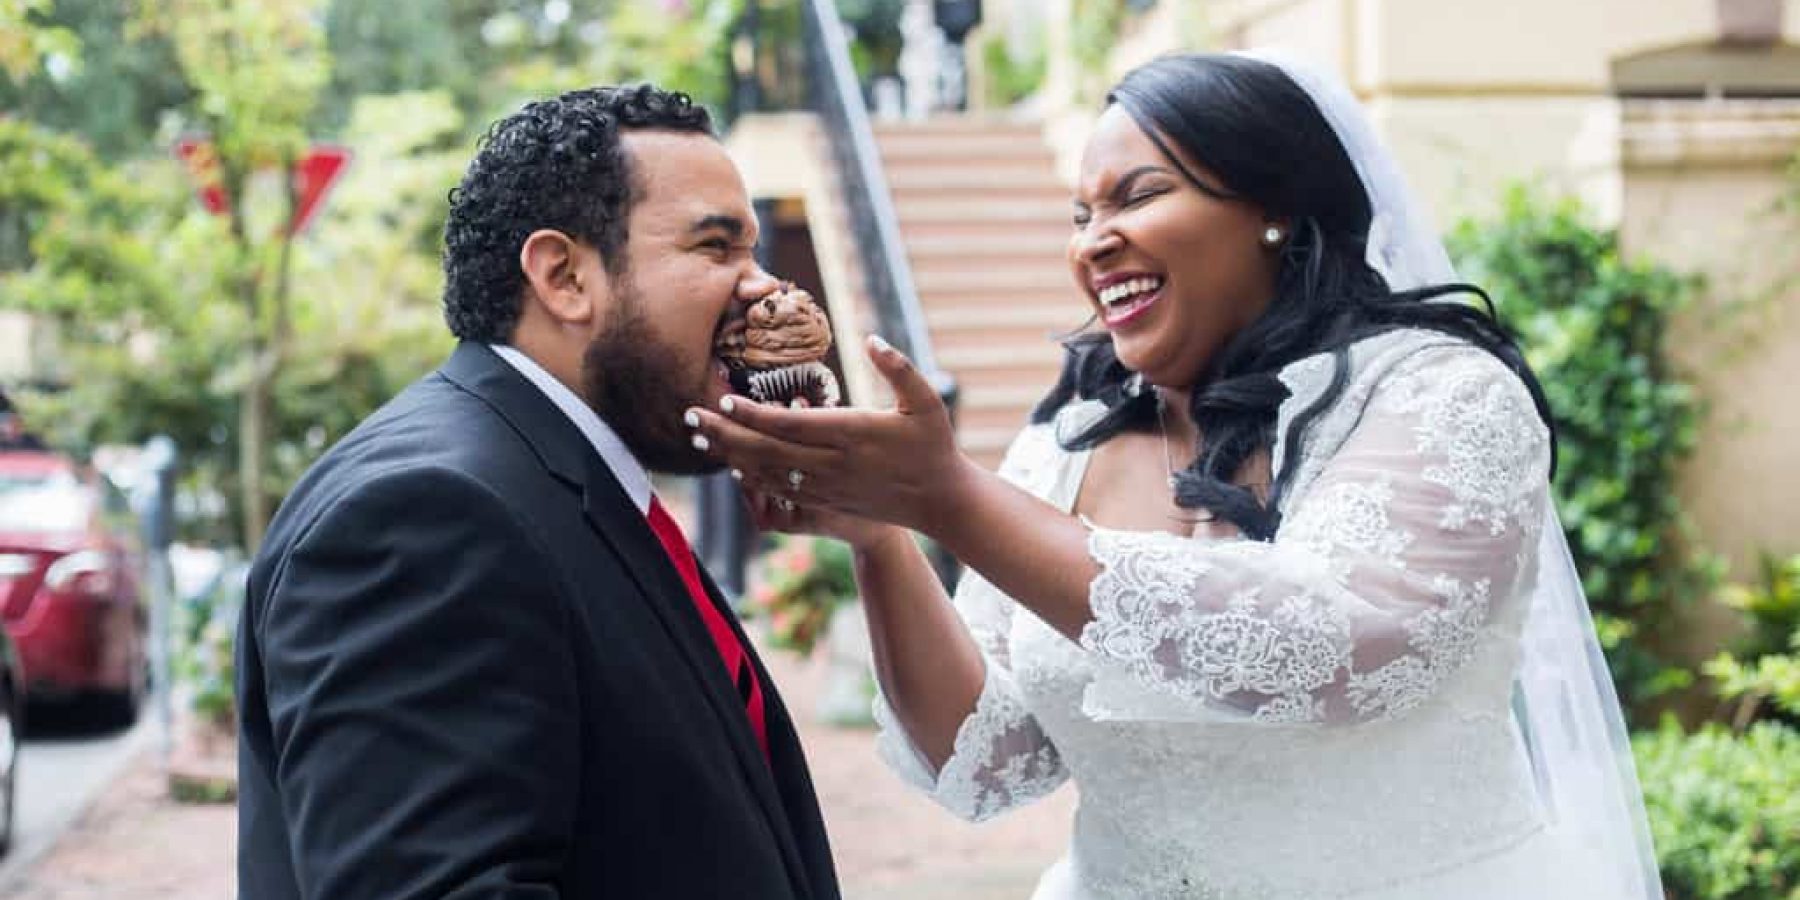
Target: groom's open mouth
x=728 y=340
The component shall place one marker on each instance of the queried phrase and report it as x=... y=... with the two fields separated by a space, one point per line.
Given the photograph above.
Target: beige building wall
x=1701 y=181
x=1470 y=95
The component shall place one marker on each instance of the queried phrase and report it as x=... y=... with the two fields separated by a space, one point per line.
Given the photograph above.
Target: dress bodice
x=1323 y=715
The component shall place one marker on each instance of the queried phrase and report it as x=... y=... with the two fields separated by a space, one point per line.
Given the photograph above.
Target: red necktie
x=731 y=651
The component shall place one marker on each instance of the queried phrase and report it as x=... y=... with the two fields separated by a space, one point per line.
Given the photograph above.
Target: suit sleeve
x=422 y=693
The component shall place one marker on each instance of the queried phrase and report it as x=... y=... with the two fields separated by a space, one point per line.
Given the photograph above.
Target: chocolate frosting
x=786 y=328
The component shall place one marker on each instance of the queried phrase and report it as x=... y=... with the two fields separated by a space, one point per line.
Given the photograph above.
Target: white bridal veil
x=1567 y=712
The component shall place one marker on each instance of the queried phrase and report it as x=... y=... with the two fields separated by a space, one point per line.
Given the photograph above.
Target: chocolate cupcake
x=776 y=351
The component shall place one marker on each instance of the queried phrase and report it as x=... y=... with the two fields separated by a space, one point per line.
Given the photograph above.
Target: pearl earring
x=1272 y=236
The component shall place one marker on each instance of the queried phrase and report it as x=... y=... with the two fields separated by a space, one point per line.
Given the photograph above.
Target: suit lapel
x=567 y=455
x=649 y=564
x=787 y=759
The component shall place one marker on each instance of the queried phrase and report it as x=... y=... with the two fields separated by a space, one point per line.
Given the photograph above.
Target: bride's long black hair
x=1260 y=134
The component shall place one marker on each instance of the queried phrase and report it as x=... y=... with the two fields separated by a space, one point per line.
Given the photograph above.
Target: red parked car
x=70 y=583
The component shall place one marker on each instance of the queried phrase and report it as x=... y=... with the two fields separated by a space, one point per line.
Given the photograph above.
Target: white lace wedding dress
x=1327 y=715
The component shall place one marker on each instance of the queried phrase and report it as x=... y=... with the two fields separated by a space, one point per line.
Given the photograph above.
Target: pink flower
x=764 y=596
x=800 y=561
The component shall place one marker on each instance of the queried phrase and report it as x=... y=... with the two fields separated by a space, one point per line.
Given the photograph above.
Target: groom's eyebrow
x=731 y=225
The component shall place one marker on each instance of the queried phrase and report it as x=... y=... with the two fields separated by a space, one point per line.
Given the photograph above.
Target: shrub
x=798 y=587
x=1724 y=811
x=1759 y=672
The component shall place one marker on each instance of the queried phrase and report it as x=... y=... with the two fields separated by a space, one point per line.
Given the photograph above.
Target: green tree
x=252 y=348
x=27 y=39
x=683 y=47
x=114 y=93
x=485 y=54
x=128 y=271
x=257 y=67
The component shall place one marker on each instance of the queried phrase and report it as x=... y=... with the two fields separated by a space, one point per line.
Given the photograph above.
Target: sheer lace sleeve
x=1377 y=586
x=1001 y=759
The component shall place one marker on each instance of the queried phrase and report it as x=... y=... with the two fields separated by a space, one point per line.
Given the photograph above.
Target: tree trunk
x=253 y=425
x=267 y=348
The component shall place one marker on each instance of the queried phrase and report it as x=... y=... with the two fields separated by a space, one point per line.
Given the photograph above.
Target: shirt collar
x=625 y=467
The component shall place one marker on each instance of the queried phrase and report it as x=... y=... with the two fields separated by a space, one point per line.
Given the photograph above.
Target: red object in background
x=70 y=587
x=203 y=165
x=314 y=174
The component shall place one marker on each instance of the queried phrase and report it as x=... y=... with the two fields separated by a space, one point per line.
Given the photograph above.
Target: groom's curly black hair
x=556 y=164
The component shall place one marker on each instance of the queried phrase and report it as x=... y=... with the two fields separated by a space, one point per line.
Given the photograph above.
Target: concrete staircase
x=985 y=222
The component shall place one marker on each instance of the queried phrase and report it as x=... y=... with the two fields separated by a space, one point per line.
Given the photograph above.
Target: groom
x=478 y=659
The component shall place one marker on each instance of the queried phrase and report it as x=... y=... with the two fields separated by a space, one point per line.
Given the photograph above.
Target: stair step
x=961 y=123
x=976 y=339
x=944 y=279
x=909 y=145
x=992 y=439
x=1055 y=317
x=1000 y=418
x=1010 y=178
x=1003 y=396
x=1069 y=313
x=1031 y=356
x=986 y=325
x=985 y=220
x=966 y=211
x=1047 y=245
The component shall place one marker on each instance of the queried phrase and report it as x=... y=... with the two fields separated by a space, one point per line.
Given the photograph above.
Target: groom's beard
x=634 y=380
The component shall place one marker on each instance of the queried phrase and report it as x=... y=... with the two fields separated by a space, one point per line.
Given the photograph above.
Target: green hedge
x=1724 y=811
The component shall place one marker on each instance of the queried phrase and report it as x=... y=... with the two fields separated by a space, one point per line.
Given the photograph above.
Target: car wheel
x=119 y=709
x=10 y=716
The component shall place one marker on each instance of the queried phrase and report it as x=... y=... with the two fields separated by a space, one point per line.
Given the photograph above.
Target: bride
x=1274 y=574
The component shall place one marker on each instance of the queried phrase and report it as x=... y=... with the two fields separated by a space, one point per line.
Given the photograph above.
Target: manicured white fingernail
x=692 y=418
x=726 y=404
x=880 y=344
x=701 y=443
x=737 y=475
x=793 y=404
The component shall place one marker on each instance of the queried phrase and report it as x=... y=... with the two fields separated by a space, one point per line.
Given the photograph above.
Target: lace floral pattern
x=1352 y=516
x=1469 y=424
x=1001 y=757
x=1320 y=715
x=1415 y=517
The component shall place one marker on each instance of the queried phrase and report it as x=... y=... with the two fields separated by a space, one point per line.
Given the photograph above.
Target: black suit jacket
x=468 y=670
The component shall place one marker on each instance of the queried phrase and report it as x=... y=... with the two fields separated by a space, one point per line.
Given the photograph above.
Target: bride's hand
x=772 y=512
x=900 y=465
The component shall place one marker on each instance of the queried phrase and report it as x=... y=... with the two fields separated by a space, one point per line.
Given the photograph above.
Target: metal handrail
x=834 y=95
x=838 y=99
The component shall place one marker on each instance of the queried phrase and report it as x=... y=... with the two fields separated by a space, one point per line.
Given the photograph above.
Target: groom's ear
x=564 y=277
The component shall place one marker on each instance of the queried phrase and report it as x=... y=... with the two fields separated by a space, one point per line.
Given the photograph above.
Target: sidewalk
x=134 y=843
x=890 y=843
